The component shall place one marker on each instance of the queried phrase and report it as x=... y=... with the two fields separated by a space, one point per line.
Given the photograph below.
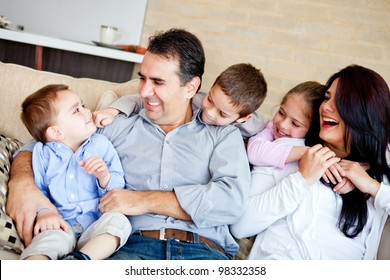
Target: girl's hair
x=39 y=110
x=314 y=94
x=363 y=102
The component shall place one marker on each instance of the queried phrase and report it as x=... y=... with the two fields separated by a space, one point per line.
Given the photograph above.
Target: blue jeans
x=144 y=248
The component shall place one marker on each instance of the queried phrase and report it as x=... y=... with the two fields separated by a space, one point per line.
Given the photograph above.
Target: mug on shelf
x=109 y=34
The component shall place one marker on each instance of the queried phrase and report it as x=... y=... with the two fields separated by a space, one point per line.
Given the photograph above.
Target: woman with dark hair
x=302 y=217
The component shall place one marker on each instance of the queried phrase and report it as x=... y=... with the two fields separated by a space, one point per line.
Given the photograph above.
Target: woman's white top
x=295 y=221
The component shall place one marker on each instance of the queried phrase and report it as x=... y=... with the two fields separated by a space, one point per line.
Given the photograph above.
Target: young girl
x=275 y=150
x=292 y=120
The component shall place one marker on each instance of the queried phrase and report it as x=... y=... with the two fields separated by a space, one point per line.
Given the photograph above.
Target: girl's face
x=291 y=120
x=331 y=124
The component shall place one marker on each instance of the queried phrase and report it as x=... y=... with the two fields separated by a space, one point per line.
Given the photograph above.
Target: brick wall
x=290 y=40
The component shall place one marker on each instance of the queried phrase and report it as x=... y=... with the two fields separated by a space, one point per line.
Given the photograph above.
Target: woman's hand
x=357 y=174
x=335 y=174
x=315 y=162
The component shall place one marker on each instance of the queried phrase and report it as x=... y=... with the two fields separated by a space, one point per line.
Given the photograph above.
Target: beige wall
x=290 y=40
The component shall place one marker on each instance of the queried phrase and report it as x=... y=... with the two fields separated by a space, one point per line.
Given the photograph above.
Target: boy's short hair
x=244 y=85
x=39 y=111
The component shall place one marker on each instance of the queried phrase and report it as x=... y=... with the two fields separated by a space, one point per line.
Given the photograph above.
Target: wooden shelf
x=67 y=57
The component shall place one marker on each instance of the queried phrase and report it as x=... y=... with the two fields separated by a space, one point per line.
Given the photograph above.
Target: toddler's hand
x=48 y=220
x=104 y=116
x=97 y=167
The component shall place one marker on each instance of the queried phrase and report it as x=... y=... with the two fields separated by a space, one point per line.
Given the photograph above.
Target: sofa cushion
x=106 y=100
x=17 y=82
x=9 y=239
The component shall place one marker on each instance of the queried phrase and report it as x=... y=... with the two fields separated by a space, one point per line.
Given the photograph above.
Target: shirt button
x=71 y=176
x=165 y=186
x=165 y=164
x=167 y=141
x=72 y=196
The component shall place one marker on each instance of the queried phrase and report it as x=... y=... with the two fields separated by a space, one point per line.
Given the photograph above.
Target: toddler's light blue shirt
x=59 y=176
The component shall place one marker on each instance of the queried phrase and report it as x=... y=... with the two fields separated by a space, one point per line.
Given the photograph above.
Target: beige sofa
x=16 y=82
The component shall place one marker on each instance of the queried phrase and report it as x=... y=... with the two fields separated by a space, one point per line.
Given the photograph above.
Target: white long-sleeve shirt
x=295 y=221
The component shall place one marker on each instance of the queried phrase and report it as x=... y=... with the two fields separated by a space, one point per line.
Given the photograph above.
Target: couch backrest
x=17 y=82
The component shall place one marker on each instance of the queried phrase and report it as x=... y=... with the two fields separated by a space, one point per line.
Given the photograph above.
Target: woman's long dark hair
x=363 y=102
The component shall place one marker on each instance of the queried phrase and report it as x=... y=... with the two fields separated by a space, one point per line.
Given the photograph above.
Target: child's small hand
x=343 y=187
x=97 y=167
x=334 y=174
x=104 y=116
x=315 y=162
x=48 y=220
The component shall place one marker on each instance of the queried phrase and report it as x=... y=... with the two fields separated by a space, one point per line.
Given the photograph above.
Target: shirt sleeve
x=39 y=164
x=251 y=127
x=263 y=151
x=265 y=208
x=382 y=198
x=114 y=165
x=128 y=104
x=197 y=100
x=29 y=147
x=221 y=200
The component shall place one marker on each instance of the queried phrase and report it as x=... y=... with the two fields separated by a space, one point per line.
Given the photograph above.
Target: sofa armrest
x=384 y=245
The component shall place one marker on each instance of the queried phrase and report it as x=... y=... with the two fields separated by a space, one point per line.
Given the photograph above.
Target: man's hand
x=132 y=203
x=124 y=201
x=24 y=198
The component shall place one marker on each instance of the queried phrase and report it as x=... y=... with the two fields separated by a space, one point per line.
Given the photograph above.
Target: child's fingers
x=97 y=167
x=37 y=229
x=326 y=177
x=344 y=187
x=335 y=174
x=106 y=121
x=64 y=225
x=92 y=164
x=340 y=170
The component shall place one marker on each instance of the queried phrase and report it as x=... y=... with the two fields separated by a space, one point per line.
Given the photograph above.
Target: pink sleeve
x=262 y=151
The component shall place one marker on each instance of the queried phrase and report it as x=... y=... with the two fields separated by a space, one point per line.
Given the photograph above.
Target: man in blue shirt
x=186 y=181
